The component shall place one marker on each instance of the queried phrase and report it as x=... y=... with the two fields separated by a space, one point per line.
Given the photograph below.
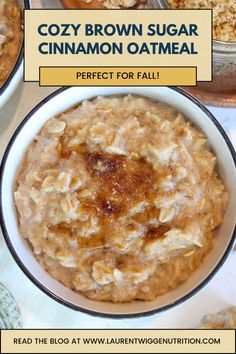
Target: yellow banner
x=119 y=76
x=118 y=38
x=118 y=341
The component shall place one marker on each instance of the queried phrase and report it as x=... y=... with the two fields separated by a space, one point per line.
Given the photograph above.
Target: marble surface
x=39 y=311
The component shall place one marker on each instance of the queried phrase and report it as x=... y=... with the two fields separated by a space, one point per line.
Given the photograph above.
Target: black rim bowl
x=57 y=297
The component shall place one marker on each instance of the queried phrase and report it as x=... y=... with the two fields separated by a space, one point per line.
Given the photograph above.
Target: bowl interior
x=62 y=100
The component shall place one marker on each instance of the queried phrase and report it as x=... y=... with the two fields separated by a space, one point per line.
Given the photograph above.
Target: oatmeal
x=10 y=36
x=225 y=319
x=118 y=198
x=224 y=15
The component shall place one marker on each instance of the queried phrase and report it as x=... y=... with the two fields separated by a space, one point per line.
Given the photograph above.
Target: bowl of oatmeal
x=119 y=201
x=11 y=46
x=222 y=90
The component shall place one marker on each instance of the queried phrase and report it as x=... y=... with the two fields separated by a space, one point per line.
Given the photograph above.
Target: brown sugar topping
x=120 y=182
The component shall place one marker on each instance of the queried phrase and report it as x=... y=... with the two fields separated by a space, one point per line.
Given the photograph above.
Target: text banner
x=118 y=341
x=121 y=76
x=118 y=38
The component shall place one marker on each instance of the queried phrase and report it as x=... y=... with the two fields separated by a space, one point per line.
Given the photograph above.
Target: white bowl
x=58 y=102
x=16 y=74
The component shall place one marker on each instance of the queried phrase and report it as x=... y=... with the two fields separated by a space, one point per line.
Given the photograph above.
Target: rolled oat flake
x=10 y=317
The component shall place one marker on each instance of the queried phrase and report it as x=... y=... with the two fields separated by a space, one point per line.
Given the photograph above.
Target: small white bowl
x=58 y=102
x=16 y=74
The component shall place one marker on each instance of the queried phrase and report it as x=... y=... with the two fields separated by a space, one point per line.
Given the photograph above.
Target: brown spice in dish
x=224 y=15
